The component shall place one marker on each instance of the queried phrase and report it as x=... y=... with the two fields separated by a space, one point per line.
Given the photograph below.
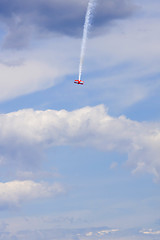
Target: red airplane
x=79 y=82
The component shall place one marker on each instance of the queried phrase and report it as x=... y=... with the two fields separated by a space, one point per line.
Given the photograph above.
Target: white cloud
x=89 y=234
x=15 y=192
x=28 y=132
x=25 y=78
x=41 y=66
x=104 y=232
x=37 y=69
x=150 y=232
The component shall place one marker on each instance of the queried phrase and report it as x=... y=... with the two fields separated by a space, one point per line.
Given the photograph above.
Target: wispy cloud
x=24 y=78
x=38 y=68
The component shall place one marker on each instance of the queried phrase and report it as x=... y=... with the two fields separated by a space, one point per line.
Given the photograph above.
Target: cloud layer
x=31 y=131
x=24 y=20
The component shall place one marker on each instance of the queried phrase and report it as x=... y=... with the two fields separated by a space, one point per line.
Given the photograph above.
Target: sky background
x=79 y=162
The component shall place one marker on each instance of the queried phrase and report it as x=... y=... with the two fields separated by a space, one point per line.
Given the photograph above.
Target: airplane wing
x=79 y=82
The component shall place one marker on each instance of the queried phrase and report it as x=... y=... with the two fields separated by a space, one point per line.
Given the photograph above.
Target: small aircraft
x=79 y=82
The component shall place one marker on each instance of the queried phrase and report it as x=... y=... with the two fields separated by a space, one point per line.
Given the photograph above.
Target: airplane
x=79 y=82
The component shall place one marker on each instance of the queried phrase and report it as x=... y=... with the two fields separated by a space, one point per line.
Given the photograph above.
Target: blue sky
x=79 y=162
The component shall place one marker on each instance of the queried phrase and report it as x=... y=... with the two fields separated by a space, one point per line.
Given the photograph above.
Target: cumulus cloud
x=22 y=131
x=12 y=194
x=25 y=19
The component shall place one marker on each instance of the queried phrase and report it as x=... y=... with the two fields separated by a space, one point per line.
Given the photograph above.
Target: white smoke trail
x=87 y=24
